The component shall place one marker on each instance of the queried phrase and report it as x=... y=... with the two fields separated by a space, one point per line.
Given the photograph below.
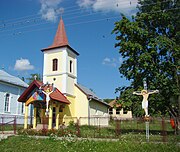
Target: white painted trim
x=64 y=61
x=60 y=73
x=8 y=104
x=44 y=66
x=17 y=105
x=70 y=95
x=55 y=50
x=11 y=114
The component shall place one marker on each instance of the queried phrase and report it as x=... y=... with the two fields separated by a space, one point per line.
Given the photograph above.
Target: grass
x=24 y=143
x=10 y=127
x=128 y=129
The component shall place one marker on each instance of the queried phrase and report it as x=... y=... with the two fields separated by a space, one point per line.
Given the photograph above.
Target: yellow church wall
x=70 y=84
x=81 y=106
x=69 y=111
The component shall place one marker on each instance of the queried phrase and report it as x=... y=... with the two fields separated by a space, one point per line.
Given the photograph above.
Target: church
x=11 y=88
x=59 y=98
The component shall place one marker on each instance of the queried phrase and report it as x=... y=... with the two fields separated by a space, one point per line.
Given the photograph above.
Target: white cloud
x=49 y=9
x=85 y=3
x=112 y=61
x=127 y=7
x=22 y=65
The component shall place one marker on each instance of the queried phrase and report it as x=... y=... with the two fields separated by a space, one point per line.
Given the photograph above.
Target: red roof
x=114 y=103
x=60 y=39
x=56 y=95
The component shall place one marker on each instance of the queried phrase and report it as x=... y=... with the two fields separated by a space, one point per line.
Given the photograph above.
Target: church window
x=55 y=64
x=71 y=68
x=22 y=108
x=7 y=103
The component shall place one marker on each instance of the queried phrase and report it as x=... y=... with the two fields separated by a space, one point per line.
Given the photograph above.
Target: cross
x=35 y=77
x=145 y=93
x=61 y=11
x=47 y=92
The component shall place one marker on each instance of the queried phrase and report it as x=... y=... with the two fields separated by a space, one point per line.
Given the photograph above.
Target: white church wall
x=15 y=108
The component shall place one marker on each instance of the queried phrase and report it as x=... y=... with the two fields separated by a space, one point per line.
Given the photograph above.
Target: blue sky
x=27 y=26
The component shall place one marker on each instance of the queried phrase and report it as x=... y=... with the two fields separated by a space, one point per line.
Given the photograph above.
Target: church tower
x=60 y=63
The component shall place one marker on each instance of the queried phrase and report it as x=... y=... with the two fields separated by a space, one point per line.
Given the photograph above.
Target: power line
x=83 y=22
x=4 y=24
x=72 y=10
x=38 y=22
x=78 y=23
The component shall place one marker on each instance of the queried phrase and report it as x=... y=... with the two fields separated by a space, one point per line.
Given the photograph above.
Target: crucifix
x=145 y=93
x=47 y=92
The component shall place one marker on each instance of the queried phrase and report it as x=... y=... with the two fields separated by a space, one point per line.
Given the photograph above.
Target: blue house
x=11 y=88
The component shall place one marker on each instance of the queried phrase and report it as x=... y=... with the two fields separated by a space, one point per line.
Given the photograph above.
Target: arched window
x=22 y=108
x=55 y=64
x=71 y=66
x=7 y=103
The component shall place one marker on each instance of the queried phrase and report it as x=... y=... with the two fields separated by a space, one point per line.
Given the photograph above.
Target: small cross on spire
x=61 y=11
x=35 y=77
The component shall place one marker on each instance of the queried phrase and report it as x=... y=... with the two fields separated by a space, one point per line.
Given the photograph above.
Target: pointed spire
x=60 y=38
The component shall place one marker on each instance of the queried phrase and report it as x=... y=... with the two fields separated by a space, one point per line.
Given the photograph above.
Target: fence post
x=15 y=125
x=99 y=127
x=117 y=127
x=78 y=128
x=2 y=125
x=163 y=132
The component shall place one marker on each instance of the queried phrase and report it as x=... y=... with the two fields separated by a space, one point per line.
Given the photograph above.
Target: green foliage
x=108 y=100
x=150 y=47
x=32 y=77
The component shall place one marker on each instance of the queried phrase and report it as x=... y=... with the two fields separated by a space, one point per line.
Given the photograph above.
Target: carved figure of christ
x=47 y=93
x=145 y=95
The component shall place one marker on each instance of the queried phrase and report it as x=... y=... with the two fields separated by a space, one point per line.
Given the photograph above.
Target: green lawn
x=24 y=143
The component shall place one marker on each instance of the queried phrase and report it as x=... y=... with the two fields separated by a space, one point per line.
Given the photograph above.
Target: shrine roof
x=56 y=95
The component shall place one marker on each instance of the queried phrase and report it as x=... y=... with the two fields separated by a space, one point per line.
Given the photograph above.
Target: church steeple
x=60 y=39
x=60 y=63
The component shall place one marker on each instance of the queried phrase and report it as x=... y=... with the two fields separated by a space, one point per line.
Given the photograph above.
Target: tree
x=32 y=77
x=149 y=45
x=108 y=100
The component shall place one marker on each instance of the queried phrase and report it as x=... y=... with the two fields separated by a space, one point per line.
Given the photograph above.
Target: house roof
x=7 y=78
x=90 y=94
x=60 y=39
x=56 y=95
x=114 y=103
